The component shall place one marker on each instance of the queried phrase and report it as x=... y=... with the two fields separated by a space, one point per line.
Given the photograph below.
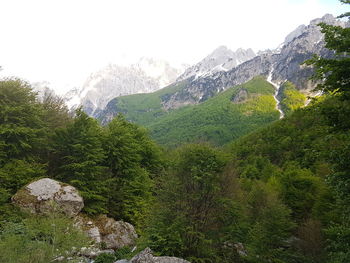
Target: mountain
x=147 y=75
x=164 y=112
x=221 y=59
x=283 y=64
x=201 y=81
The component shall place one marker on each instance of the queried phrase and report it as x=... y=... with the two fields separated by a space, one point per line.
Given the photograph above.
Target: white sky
x=63 y=41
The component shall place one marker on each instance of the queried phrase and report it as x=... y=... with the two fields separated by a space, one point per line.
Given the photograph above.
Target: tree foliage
x=334 y=73
x=78 y=159
x=134 y=160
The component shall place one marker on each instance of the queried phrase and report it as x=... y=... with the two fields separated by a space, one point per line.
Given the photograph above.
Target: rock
x=47 y=195
x=102 y=229
x=94 y=234
x=143 y=257
x=116 y=234
x=93 y=252
x=241 y=96
x=146 y=256
x=240 y=249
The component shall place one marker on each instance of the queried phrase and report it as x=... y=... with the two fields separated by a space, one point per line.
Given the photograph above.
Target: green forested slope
x=220 y=119
x=282 y=192
x=291 y=98
x=143 y=109
x=217 y=120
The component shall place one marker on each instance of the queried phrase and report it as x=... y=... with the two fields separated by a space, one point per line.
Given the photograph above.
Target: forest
x=278 y=194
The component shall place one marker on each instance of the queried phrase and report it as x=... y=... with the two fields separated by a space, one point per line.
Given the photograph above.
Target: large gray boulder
x=102 y=229
x=146 y=256
x=47 y=195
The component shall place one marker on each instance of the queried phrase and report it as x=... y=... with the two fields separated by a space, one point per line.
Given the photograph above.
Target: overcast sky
x=63 y=41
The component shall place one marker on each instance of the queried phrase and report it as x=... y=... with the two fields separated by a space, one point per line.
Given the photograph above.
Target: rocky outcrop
x=240 y=97
x=221 y=59
x=47 y=195
x=146 y=256
x=113 y=234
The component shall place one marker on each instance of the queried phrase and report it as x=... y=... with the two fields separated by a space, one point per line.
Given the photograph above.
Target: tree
x=270 y=225
x=134 y=160
x=335 y=76
x=186 y=213
x=22 y=131
x=335 y=71
x=55 y=111
x=22 y=138
x=78 y=157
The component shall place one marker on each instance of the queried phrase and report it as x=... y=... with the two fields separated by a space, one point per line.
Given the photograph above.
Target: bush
x=39 y=239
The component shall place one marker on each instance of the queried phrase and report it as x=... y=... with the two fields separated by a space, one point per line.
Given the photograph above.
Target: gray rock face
x=114 y=234
x=221 y=59
x=297 y=32
x=146 y=256
x=47 y=195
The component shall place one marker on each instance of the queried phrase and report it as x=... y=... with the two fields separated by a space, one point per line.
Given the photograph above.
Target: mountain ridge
x=146 y=75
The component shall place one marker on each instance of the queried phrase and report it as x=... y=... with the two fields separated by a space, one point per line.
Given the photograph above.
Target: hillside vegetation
x=142 y=108
x=291 y=98
x=227 y=116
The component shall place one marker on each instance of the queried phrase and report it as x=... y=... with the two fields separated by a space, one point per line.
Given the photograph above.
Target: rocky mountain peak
x=295 y=33
x=327 y=18
x=221 y=59
x=146 y=75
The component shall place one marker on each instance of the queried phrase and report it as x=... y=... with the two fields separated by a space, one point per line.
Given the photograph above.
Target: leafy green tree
x=335 y=76
x=300 y=190
x=335 y=72
x=187 y=210
x=22 y=138
x=78 y=158
x=21 y=124
x=55 y=111
x=271 y=226
x=133 y=160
